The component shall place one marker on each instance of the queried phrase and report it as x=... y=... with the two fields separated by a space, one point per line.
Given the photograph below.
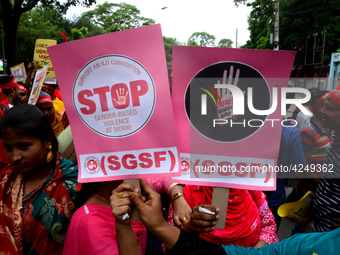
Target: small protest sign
x=42 y=58
x=38 y=81
x=19 y=72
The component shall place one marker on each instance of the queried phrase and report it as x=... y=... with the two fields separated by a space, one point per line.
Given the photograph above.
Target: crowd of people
x=45 y=210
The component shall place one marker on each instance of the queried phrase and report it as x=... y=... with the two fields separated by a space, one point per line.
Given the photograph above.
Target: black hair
x=26 y=119
x=3 y=80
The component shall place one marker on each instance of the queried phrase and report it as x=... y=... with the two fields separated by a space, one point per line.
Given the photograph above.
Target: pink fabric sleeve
x=166 y=184
x=161 y=185
x=268 y=225
x=85 y=243
x=87 y=237
x=156 y=183
x=92 y=231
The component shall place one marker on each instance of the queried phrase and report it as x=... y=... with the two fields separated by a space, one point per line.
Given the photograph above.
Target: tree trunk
x=10 y=45
x=10 y=22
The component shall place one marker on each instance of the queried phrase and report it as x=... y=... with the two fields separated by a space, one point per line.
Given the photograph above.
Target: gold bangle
x=171 y=186
x=176 y=196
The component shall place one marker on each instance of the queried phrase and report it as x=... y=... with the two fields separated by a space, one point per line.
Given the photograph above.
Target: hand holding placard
x=121 y=204
x=134 y=213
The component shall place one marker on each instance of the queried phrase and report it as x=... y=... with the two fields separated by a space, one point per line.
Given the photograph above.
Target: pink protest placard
x=228 y=114
x=116 y=94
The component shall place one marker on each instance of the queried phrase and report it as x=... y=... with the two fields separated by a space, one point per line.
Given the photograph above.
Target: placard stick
x=69 y=150
x=220 y=199
x=134 y=214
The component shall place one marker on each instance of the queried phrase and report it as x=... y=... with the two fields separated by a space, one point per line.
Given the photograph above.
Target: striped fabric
x=326 y=200
x=316 y=142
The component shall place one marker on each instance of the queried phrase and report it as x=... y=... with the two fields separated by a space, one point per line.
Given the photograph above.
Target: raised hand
x=201 y=222
x=121 y=96
x=225 y=110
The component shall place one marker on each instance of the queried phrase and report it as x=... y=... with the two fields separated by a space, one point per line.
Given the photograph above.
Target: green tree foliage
x=299 y=19
x=47 y=22
x=79 y=33
x=168 y=43
x=201 y=39
x=302 y=19
x=12 y=12
x=44 y=23
x=260 y=23
x=112 y=17
x=225 y=43
x=92 y=29
x=238 y=2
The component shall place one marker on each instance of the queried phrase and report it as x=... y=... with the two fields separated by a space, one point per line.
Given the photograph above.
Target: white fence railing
x=323 y=83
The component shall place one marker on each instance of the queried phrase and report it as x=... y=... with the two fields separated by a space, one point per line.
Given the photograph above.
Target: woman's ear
x=12 y=91
x=48 y=142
